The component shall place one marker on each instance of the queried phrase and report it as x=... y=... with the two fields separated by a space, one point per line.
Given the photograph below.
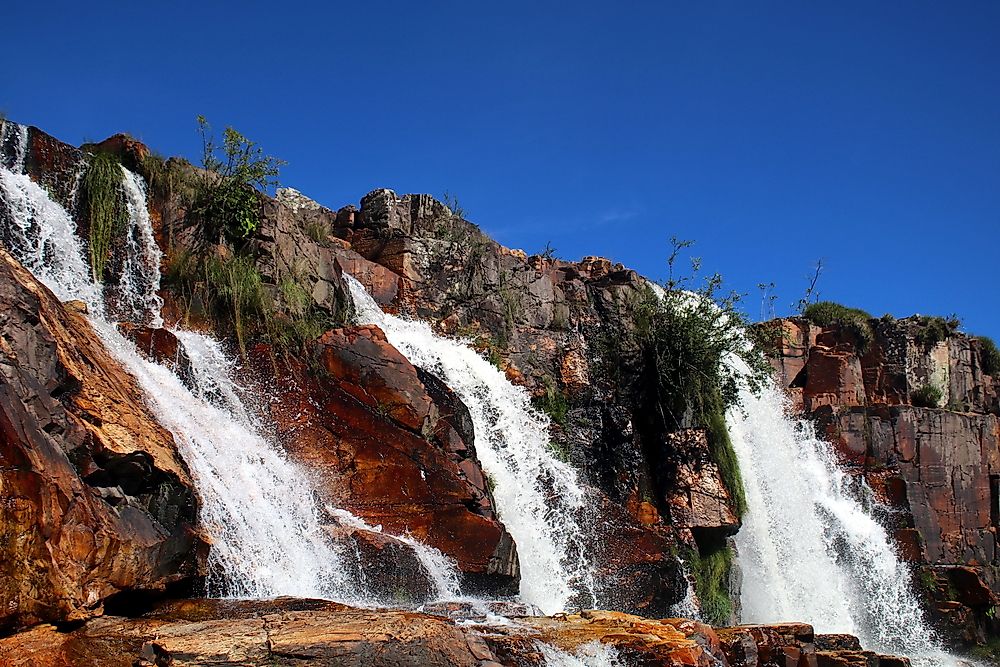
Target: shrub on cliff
x=855 y=320
x=675 y=345
x=989 y=355
x=927 y=396
x=227 y=202
x=930 y=330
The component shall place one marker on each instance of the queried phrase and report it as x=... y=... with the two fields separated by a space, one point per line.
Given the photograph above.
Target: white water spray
x=591 y=654
x=538 y=497
x=258 y=508
x=440 y=569
x=808 y=550
x=18 y=134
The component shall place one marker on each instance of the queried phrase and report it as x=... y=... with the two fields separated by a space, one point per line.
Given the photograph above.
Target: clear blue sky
x=774 y=134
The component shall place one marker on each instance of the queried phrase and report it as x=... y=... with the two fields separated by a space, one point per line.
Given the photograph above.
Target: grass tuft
x=927 y=396
x=105 y=207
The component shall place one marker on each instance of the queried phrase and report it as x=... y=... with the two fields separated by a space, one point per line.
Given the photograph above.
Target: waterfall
x=439 y=568
x=808 y=549
x=538 y=497
x=258 y=508
x=689 y=606
x=139 y=280
x=16 y=135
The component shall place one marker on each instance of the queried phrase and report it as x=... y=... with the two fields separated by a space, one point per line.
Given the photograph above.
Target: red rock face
x=94 y=499
x=387 y=449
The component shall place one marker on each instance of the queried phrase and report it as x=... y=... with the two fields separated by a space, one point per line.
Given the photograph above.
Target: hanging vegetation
x=104 y=203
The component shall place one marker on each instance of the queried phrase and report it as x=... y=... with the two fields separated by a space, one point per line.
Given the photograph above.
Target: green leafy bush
x=227 y=204
x=855 y=320
x=927 y=396
x=989 y=358
x=104 y=202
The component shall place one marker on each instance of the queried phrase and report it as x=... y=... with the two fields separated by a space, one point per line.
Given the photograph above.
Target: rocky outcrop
x=416 y=258
x=94 y=499
x=394 y=447
x=538 y=318
x=313 y=632
x=937 y=465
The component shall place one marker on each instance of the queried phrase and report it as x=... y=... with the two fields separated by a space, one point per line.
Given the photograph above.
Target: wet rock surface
x=290 y=631
x=392 y=451
x=95 y=499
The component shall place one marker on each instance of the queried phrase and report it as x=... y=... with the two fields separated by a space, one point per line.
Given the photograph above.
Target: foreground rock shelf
x=291 y=631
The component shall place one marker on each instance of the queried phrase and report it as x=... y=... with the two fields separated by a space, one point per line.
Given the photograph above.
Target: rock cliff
x=932 y=456
x=99 y=507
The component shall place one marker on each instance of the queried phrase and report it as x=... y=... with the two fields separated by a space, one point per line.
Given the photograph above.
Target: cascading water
x=538 y=497
x=139 y=279
x=258 y=508
x=591 y=654
x=15 y=135
x=809 y=550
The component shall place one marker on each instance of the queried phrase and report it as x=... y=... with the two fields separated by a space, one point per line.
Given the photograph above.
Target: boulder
x=96 y=500
x=392 y=452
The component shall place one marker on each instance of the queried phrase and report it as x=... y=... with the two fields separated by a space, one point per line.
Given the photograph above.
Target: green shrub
x=711 y=575
x=670 y=350
x=855 y=320
x=927 y=396
x=931 y=330
x=105 y=206
x=227 y=204
x=989 y=355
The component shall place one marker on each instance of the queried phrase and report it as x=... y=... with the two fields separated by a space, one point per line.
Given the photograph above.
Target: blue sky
x=773 y=134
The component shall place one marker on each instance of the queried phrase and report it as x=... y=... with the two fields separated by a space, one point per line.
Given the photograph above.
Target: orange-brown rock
x=393 y=446
x=94 y=499
x=313 y=632
x=158 y=345
x=363 y=364
x=698 y=498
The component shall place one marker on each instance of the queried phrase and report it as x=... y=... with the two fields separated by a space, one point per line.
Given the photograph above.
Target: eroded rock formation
x=312 y=632
x=95 y=500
